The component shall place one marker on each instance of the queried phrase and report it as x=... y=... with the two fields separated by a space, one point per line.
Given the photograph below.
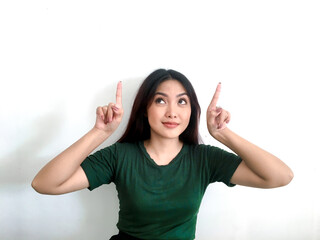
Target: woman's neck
x=163 y=151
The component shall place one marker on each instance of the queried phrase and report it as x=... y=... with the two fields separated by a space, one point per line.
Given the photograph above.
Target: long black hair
x=138 y=128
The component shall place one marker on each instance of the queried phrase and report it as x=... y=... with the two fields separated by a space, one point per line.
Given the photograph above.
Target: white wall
x=59 y=60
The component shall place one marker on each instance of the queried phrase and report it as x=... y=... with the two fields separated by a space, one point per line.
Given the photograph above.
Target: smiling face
x=170 y=110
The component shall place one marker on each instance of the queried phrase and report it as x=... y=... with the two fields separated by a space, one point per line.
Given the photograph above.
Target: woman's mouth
x=170 y=124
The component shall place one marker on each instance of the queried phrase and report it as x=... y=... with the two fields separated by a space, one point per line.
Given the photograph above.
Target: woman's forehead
x=171 y=86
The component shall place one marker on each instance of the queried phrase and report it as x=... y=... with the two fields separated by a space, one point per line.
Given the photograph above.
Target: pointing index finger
x=119 y=94
x=215 y=98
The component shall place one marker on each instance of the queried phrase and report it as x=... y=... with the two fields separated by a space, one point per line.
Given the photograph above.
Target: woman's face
x=170 y=110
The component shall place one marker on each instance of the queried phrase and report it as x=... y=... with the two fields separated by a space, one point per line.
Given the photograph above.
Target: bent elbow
x=35 y=186
x=47 y=189
x=289 y=177
x=38 y=188
x=285 y=179
x=280 y=180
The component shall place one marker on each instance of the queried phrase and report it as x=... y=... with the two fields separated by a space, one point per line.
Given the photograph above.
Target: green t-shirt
x=159 y=202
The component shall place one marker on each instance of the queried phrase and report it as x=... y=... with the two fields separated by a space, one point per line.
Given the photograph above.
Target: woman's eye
x=160 y=100
x=183 y=101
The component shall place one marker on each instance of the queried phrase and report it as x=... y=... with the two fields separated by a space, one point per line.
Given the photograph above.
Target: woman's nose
x=171 y=111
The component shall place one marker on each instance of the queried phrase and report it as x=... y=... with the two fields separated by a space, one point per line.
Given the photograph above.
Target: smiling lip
x=170 y=124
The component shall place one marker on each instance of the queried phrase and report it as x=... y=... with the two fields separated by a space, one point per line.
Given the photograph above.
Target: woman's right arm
x=64 y=174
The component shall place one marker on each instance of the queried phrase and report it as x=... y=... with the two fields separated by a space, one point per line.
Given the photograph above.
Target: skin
x=259 y=168
x=63 y=174
x=168 y=115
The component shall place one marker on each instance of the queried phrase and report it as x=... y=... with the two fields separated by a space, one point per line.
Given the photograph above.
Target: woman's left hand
x=217 y=117
x=259 y=168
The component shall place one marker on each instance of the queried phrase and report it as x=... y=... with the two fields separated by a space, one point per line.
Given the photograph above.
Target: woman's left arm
x=258 y=168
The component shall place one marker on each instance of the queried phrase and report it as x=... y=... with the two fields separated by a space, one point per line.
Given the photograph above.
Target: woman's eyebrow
x=166 y=95
x=182 y=94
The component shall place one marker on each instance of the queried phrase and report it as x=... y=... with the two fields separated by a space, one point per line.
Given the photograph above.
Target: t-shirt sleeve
x=220 y=164
x=99 y=167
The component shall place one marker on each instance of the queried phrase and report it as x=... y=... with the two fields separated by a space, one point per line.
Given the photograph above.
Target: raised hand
x=110 y=116
x=217 y=118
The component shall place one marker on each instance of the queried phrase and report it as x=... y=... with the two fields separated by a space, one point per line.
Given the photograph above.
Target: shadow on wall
x=25 y=214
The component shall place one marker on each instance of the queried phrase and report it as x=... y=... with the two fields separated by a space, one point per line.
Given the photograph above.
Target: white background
x=59 y=60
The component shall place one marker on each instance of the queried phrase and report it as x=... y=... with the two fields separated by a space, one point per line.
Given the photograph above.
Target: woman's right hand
x=109 y=116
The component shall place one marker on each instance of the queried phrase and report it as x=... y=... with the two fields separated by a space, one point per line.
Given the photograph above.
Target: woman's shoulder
x=204 y=151
x=201 y=147
x=124 y=145
x=120 y=150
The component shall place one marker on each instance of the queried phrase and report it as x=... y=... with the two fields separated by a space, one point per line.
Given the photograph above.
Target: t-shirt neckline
x=173 y=161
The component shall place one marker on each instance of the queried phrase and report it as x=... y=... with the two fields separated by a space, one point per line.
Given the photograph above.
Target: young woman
x=159 y=167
